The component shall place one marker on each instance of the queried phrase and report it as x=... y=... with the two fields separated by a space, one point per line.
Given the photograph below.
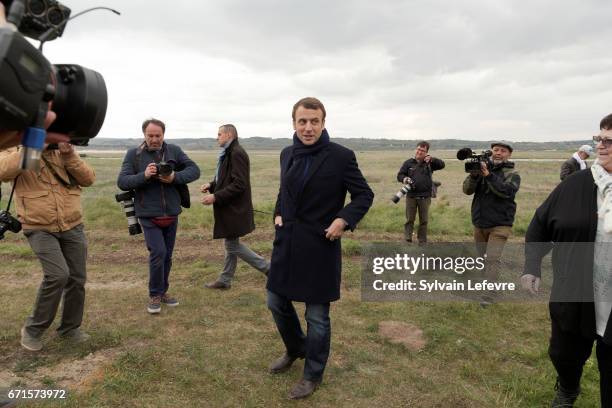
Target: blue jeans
x=314 y=346
x=160 y=243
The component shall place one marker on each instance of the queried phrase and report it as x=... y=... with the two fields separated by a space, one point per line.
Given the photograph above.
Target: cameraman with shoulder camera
x=417 y=172
x=48 y=204
x=156 y=171
x=493 y=207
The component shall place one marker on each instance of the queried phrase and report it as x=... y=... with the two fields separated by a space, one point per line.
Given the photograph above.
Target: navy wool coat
x=305 y=266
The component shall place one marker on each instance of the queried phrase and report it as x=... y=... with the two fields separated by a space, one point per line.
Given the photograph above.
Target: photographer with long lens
x=494 y=186
x=48 y=203
x=418 y=173
x=158 y=173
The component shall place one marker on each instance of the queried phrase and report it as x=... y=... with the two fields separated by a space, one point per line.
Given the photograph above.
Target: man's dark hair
x=308 y=103
x=231 y=129
x=423 y=144
x=155 y=122
x=606 y=123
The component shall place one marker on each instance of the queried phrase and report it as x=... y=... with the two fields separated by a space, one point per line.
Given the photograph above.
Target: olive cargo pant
x=63 y=258
x=491 y=241
x=412 y=205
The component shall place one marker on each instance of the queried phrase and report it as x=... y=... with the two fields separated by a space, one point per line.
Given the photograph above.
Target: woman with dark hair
x=576 y=222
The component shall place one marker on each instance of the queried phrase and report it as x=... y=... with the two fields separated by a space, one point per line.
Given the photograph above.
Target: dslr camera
x=30 y=84
x=473 y=160
x=165 y=168
x=8 y=223
x=403 y=191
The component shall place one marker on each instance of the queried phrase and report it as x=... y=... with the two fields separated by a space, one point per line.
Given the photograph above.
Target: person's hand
x=407 y=180
x=278 y=221
x=427 y=159
x=167 y=179
x=53 y=137
x=205 y=188
x=336 y=229
x=208 y=199
x=484 y=169
x=530 y=283
x=10 y=138
x=65 y=149
x=150 y=171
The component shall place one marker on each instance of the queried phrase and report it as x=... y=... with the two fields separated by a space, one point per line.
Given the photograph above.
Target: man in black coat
x=310 y=218
x=575 y=222
x=231 y=200
x=576 y=162
x=417 y=172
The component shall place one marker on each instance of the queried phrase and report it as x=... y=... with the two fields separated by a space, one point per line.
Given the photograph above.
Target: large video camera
x=30 y=84
x=473 y=160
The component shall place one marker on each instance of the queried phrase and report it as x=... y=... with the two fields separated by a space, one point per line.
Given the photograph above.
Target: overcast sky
x=518 y=70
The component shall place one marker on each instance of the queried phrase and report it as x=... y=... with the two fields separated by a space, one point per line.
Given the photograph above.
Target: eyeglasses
x=607 y=142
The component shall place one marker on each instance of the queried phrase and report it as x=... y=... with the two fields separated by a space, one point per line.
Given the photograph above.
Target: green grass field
x=214 y=349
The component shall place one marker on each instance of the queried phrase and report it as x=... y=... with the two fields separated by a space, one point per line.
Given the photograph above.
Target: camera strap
x=71 y=181
x=8 y=206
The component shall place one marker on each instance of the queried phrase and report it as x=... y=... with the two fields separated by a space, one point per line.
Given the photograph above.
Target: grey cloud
x=438 y=67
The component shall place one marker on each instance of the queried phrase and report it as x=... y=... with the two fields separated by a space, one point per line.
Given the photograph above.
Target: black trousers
x=569 y=351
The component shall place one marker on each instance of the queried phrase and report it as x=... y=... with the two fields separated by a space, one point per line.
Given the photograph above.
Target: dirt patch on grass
x=408 y=335
x=75 y=374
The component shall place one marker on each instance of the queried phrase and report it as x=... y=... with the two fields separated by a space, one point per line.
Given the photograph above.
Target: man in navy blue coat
x=310 y=218
x=157 y=202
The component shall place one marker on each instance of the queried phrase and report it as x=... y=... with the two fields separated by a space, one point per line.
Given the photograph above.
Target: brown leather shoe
x=283 y=364
x=303 y=389
x=218 y=285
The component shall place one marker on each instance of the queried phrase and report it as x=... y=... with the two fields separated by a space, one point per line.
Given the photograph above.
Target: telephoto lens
x=402 y=192
x=126 y=198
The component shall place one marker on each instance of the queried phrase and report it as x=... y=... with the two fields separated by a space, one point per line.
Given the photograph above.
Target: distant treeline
x=266 y=143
